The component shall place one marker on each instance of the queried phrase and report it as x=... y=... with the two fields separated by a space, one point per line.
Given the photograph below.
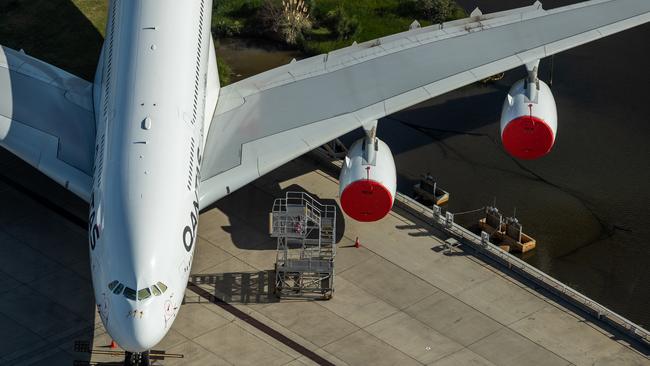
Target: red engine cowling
x=529 y=125
x=368 y=181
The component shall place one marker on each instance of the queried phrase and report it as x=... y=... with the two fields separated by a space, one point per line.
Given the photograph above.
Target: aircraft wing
x=267 y=120
x=46 y=118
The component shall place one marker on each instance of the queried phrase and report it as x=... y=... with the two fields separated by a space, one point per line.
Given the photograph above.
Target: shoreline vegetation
x=314 y=27
x=75 y=28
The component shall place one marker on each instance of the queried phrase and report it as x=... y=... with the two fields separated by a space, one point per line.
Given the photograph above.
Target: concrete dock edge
x=601 y=315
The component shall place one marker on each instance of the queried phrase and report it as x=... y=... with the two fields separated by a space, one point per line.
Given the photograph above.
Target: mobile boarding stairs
x=306 y=233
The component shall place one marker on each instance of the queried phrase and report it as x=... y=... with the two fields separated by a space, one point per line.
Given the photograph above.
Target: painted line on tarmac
x=259 y=325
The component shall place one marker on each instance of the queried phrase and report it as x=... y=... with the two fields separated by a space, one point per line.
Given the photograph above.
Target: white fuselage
x=150 y=108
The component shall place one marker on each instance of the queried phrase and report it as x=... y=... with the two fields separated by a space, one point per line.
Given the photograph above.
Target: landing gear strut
x=137 y=359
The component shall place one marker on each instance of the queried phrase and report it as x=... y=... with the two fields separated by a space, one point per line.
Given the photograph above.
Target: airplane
x=155 y=138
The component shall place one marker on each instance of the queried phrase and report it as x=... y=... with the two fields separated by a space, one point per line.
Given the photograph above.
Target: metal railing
x=306 y=234
x=314 y=212
x=528 y=271
x=434 y=216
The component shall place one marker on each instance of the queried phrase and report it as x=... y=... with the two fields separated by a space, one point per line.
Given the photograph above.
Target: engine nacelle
x=368 y=181
x=529 y=125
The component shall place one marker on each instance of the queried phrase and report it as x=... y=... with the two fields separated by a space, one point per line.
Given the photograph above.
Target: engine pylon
x=529 y=117
x=368 y=179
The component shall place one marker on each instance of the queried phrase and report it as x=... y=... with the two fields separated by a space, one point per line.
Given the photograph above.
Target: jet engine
x=529 y=119
x=368 y=180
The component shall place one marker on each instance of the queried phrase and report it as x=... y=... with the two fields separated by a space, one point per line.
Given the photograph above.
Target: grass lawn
x=64 y=33
x=94 y=11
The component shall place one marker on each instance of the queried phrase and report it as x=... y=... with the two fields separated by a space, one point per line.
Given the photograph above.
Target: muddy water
x=587 y=203
x=248 y=57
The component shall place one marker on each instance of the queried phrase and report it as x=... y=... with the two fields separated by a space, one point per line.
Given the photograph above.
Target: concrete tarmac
x=399 y=299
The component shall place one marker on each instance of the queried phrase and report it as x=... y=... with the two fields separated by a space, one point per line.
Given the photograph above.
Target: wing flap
x=370 y=80
x=46 y=118
x=39 y=149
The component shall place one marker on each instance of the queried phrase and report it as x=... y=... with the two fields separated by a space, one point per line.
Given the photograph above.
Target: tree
x=436 y=10
x=341 y=24
x=288 y=20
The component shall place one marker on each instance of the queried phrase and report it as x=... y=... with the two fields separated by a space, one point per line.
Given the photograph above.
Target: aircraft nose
x=138 y=330
x=143 y=336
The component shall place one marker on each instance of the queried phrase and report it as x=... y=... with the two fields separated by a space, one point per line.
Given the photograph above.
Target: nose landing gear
x=137 y=359
x=130 y=358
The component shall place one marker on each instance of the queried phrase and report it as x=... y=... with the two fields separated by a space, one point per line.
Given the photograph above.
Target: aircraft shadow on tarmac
x=248 y=213
x=44 y=252
x=248 y=208
x=42 y=226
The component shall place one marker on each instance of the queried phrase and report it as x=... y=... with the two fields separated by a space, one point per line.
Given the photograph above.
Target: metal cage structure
x=306 y=234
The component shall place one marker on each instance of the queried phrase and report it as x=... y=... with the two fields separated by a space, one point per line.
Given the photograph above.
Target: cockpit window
x=162 y=286
x=144 y=294
x=129 y=293
x=155 y=290
x=112 y=285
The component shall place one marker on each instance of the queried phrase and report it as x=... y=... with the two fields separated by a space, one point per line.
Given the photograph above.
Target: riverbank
x=330 y=25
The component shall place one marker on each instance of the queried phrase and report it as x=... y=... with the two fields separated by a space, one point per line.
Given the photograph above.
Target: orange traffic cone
x=356 y=243
x=113 y=344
